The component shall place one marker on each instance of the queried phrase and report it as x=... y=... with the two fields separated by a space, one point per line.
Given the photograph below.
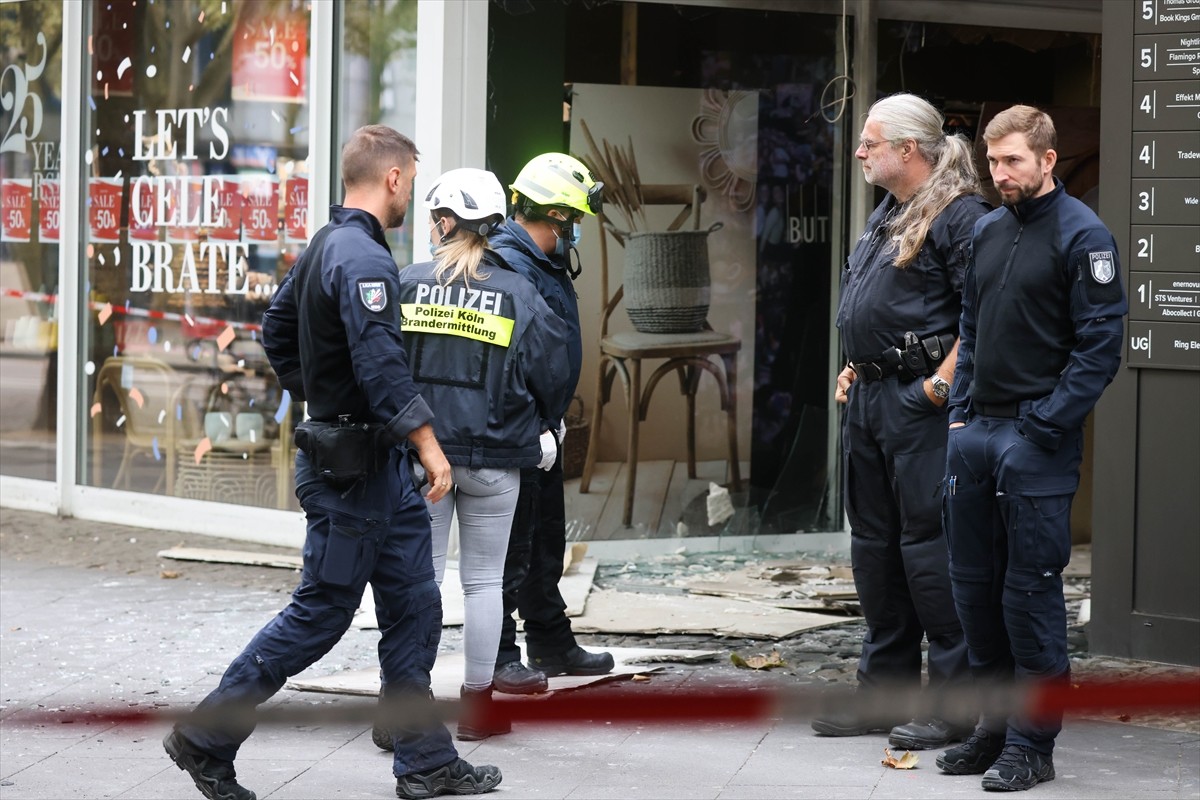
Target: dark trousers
x=533 y=568
x=377 y=531
x=1008 y=514
x=894 y=443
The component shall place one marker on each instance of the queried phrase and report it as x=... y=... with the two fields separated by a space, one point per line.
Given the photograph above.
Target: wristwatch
x=941 y=389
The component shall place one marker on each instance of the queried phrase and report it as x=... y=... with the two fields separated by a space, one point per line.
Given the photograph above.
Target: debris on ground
x=906 y=761
x=772 y=659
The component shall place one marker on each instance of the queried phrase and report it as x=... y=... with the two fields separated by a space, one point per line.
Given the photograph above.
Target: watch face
x=941 y=389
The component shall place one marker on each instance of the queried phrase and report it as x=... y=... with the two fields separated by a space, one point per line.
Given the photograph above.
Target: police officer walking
x=898 y=318
x=332 y=333
x=1041 y=339
x=551 y=195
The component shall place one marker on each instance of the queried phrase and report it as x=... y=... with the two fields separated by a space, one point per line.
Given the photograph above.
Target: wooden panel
x=585 y=510
x=650 y=492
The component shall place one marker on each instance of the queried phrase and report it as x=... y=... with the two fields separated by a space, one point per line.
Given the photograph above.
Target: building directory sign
x=1164 y=193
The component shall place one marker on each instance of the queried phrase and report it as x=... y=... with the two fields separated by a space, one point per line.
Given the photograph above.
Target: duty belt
x=1004 y=410
x=916 y=359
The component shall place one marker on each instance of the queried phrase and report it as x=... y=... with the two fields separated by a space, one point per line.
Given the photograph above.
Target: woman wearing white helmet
x=490 y=358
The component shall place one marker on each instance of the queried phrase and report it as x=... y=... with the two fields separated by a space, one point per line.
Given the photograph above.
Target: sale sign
x=295 y=215
x=49 y=201
x=104 y=209
x=185 y=199
x=142 y=198
x=260 y=212
x=270 y=49
x=16 y=209
x=229 y=214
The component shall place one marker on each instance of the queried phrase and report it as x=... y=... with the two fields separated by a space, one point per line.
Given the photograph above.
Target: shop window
x=378 y=82
x=30 y=135
x=742 y=103
x=196 y=163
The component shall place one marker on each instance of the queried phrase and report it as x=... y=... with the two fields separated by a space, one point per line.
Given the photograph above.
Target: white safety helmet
x=473 y=195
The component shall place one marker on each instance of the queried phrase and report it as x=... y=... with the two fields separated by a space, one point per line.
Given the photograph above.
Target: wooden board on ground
x=620 y=612
x=575 y=586
x=447 y=675
x=215 y=556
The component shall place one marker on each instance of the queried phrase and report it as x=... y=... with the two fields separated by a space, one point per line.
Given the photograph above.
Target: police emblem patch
x=1102 y=266
x=373 y=295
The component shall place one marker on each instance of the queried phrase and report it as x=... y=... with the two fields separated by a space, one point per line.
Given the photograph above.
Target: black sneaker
x=457 y=777
x=927 y=734
x=382 y=737
x=215 y=779
x=1018 y=768
x=847 y=723
x=974 y=756
x=575 y=661
x=514 y=677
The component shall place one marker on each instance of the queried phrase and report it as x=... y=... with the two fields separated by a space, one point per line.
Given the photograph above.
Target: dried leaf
x=758 y=662
x=169 y=574
x=640 y=678
x=906 y=761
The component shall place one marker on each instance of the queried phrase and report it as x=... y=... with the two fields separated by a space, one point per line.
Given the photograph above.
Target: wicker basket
x=576 y=447
x=667 y=282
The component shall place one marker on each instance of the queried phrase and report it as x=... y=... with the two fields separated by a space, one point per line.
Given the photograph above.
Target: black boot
x=457 y=777
x=928 y=734
x=975 y=755
x=214 y=778
x=513 y=677
x=574 y=661
x=477 y=717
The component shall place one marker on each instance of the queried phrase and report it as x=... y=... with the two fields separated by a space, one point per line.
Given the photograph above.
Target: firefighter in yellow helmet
x=550 y=197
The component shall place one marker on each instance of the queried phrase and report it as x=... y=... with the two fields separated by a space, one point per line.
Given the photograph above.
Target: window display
x=196 y=207
x=30 y=135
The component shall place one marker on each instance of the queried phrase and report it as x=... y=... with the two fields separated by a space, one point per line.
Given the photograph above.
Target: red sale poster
x=104 y=209
x=16 y=209
x=48 y=211
x=186 y=203
x=260 y=212
x=270 y=49
x=295 y=216
x=229 y=203
x=142 y=198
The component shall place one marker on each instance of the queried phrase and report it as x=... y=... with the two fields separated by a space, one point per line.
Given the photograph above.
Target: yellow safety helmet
x=557 y=179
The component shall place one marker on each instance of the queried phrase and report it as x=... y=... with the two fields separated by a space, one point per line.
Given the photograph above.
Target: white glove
x=562 y=432
x=549 y=450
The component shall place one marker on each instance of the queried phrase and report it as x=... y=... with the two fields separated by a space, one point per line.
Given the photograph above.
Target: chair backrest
x=689 y=196
x=149 y=395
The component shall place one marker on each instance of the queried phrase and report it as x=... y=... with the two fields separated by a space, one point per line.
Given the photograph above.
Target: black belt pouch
x=341 y=454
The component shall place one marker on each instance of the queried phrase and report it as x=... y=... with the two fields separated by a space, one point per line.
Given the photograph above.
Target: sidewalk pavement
x=76 y=639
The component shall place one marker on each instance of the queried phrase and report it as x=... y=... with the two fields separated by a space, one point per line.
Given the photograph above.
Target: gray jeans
x=485 y=500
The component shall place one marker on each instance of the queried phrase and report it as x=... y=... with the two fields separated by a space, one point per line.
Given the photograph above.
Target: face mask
x=576 y=233
x=433 y=246
x=562 y=245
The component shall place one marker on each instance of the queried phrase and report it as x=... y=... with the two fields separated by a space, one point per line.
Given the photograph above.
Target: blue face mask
x=576 y=233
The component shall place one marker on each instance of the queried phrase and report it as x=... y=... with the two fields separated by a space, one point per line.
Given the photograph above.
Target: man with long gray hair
x=900 y=303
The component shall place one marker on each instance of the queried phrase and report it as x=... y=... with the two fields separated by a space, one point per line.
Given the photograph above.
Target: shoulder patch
x=1103 y=266
x=373 y=295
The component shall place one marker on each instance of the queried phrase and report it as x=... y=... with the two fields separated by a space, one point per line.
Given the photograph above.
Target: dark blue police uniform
x=894 y=440
x=533 y=566
x=332 y=334
x=1041 y=338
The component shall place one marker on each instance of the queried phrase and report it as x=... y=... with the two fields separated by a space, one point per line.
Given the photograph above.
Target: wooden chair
x=686 y=354
x=155 y=416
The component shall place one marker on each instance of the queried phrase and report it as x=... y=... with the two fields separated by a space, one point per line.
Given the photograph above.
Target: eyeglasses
x=867 y=144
